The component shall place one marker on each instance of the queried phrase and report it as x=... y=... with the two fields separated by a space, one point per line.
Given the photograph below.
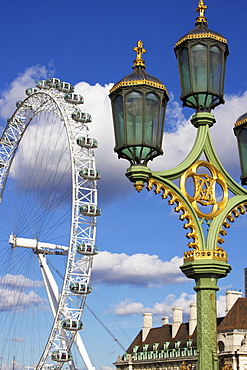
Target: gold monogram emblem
x=203 y=191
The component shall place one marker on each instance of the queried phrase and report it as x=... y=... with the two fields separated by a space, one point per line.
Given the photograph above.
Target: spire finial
x=201 y=10
x=139 y=51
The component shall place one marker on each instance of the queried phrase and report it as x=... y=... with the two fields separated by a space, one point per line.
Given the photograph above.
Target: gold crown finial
x=139 y=51
x=201 y=10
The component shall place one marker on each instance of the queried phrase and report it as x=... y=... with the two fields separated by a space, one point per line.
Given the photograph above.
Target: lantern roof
x=201 y=31
x=139 y=76
x=241 y=120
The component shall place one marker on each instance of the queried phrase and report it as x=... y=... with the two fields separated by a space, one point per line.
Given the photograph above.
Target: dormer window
x=145 y=347
x=155 y=346
x=189 y=343
x=135 y=348
x=166 y=344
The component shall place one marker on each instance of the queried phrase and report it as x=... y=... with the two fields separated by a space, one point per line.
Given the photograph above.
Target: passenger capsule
x=81 y=117
x=41 y=84
x=52 y=82
x=90 y=174
x=18 y=103
x=87 y=142
x=61 y=356
x=74 y=98
x=80 y=288
x=72 y=324
x=31 y=90
x=51 y=367
x=65 y=87
x=87 y=249
x=90 y=210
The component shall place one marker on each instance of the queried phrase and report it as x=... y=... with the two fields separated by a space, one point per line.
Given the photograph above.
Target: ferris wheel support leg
x=50 y=284
x=82 y=350
x=53 y=296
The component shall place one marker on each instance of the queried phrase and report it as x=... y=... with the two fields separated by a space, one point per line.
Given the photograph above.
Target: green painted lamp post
x=138 y=103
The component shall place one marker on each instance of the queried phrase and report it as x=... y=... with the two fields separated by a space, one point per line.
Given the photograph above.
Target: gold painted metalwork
x=201 y=10
x=204 y=189
x=238 y=123
x=201 y=36
x=180 y=206
x=214 y=254
x=139 y=51
x=138 y=82
x=185 y=367
x=138 y=186
x=240 y=209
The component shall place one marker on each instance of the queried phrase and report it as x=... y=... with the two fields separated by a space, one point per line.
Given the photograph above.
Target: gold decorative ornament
x=214 y=254
x=205 y=189
x=201 y=10
x=238 y=123
x=201 y=36
x=139 y=51
x=180 y=207
x=138 y=82
x=240 y=209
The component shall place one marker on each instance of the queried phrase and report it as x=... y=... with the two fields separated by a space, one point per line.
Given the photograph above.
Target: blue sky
x=89 y=43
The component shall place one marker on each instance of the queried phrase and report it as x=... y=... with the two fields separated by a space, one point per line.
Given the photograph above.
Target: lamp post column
x=206 y=274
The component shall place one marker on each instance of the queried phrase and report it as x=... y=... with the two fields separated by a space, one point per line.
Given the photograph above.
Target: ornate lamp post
x=201 y=58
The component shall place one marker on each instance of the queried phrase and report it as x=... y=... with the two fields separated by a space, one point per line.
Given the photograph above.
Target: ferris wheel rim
x=75 y=167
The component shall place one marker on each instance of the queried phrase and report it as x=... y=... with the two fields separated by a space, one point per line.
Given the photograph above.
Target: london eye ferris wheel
x=48 y=210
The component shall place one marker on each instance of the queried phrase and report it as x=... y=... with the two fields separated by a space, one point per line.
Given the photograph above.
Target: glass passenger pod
x=72 y=324
x=90 y=174
x=90 y=210
x=51 y=367
x=81 y=117
x=74 y=98
x=41 y=84
x=31 y=90
x=87 y=142
x=61 y=356
x=53 y=82
x=87 y=249
x=65 y=87
x=80 y=288
x=17 y=104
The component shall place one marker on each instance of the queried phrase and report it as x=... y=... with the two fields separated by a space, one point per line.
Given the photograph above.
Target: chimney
x=165 y=320
x=192 y=319
x=147 y=325
x=231 y=297
x=177 y=320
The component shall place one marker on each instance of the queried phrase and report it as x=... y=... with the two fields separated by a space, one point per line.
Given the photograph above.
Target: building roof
x=236 y=318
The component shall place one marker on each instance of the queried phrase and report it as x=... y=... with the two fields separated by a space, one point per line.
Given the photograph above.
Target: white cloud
x=19 y=282
x=16 y=90
x=130 y=308
x=127 y=307
x=18 y=340
x=137 y=269
x=11 y=301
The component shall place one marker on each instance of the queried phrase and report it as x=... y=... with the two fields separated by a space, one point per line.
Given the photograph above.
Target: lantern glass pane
x=134 y=114
x=184 y=71
x=118 y=119
x=199 y=68
x=152 y=108
x=242 y=144
x=215 y=69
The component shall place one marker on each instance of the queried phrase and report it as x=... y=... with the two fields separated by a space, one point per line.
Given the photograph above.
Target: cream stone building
x=173 y=346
